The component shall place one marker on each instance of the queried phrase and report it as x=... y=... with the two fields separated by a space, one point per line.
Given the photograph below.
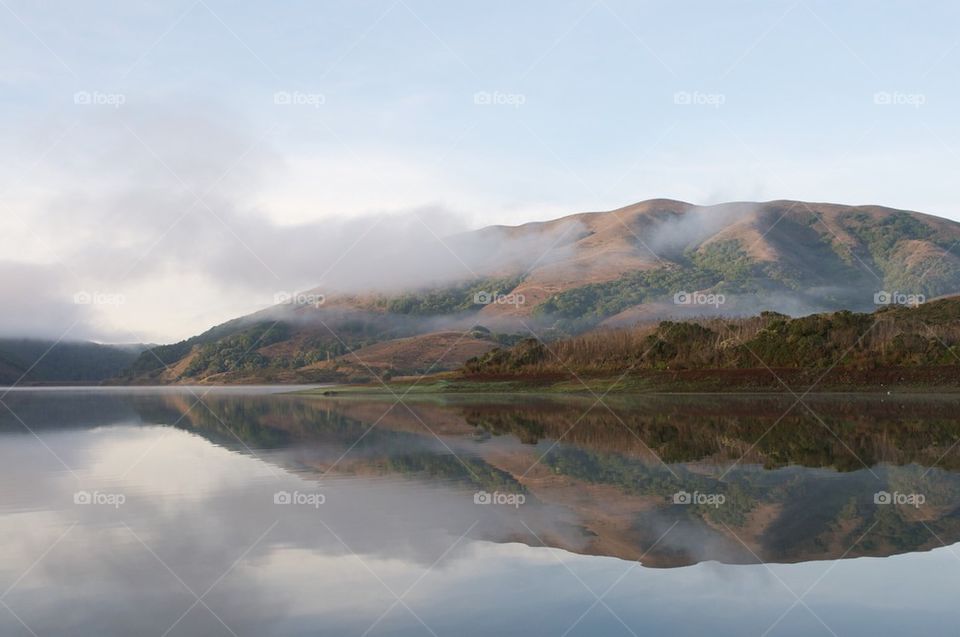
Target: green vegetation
x=905 y=269
x=447 y=300
x=721 y=267
x=237 y=352
x=882 y=237
x=813 y=259
x=310 y=353
x=157 y=358
x=235 y=347
x=585 y=306
x=725 y=258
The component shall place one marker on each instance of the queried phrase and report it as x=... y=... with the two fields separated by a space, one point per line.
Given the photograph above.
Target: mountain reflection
x=733 y=479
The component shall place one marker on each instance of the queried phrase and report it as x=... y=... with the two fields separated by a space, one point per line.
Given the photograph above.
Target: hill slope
x=646 y=262
x=926 y=337
x=34 y=361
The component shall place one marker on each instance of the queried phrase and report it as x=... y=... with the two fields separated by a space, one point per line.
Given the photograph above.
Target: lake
x=250 y=511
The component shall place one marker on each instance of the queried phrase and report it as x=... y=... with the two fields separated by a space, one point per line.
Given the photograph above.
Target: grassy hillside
x=814 y=269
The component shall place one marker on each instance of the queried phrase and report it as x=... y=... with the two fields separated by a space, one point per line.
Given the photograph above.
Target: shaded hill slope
x=33 y=361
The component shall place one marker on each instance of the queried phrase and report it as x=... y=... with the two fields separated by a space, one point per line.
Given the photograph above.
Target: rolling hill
x=658 y=259
x=36 y=361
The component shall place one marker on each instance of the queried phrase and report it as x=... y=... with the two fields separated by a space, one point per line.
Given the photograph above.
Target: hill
x=655 y=260
x=891 y=347
x=34 y=361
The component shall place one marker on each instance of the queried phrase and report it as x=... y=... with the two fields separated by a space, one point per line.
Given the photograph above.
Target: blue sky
x=582 y=106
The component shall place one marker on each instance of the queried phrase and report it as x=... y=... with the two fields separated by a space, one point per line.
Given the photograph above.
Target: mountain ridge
x=650 y=260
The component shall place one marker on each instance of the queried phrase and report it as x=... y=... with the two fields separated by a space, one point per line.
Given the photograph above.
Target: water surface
x=192 y=511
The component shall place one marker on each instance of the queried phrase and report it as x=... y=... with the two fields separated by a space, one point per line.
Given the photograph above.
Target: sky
x=168 y=166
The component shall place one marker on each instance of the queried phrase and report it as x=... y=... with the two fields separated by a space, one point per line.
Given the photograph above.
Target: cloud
x=165 y=206
x=672 y=236
x=38 y=302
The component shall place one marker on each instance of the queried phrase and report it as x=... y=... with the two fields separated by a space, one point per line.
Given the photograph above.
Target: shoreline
x=779 y=382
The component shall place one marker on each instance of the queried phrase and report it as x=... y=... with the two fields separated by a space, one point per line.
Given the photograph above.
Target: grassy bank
x=945 y=379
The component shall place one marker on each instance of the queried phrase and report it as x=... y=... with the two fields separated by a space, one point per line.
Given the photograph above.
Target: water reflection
x=757 y=478
x=200 y=482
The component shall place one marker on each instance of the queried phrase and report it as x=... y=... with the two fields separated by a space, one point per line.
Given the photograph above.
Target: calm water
x=247 y=512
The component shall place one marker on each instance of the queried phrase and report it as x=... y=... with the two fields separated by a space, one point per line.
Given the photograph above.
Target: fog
x=162 y=224
x=673 y=236
x=163 y=215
